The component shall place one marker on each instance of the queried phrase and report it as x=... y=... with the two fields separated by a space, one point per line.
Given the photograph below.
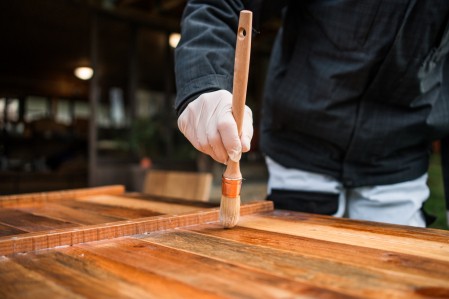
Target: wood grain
x=64 y=249
x=390 y=263
x=88 y=233
x=321 y=273
x=387 y=240
x=68 y=214
x=178 y=184
x=29 y=222
x=19 y=282
x=7 y=230
x=171 y=200
x=119 y=212
x=155 y=286
x=16 y=200
x=363 y=226
x=71 y=272
x=155 y=206
x=205 y=273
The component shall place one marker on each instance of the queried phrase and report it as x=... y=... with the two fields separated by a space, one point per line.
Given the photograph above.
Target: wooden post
x=93 y=100
x=132 y=72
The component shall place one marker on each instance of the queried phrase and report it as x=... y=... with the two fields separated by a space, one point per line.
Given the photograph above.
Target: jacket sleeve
x=204 y=58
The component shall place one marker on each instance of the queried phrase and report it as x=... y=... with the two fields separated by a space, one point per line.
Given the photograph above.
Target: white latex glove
x=208 y=124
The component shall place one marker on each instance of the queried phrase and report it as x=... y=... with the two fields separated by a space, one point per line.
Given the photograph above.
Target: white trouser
x=396 y=203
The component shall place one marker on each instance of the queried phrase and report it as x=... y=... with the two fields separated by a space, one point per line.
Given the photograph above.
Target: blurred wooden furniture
x=104 y=243
x=178 y=184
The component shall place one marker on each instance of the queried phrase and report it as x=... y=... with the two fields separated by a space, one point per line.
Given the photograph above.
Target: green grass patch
x=435 y=205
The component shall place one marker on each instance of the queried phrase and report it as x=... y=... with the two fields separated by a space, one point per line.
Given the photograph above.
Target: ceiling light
x=84 y=73
x=173 y=39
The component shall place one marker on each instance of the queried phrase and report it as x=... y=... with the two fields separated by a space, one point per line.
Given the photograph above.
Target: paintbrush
x=232 y=178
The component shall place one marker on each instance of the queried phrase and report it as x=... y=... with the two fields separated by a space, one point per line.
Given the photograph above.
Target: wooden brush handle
x=241 y=71
x=241 y=67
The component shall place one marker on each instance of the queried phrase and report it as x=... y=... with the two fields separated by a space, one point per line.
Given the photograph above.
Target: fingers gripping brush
x=232 y=178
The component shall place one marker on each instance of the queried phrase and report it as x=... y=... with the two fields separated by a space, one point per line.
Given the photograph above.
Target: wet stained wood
x=204 y=272
x=16 y=200
x=323 y=273
x=119 y=245
x=29 y=222
x=108 y=210
x=7 y=230
x=389 y=262
x=429 y=245
x=363 y=226
x=89 y=233
x=136 y=203
x=64 y=213
x=70 y=273
x=184 y=202
x=145 y=277
x=19 y=282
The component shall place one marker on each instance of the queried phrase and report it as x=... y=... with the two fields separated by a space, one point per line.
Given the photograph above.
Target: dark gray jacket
x=354 y=88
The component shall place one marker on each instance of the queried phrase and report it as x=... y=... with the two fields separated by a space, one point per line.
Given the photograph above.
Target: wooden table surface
x=105 y=243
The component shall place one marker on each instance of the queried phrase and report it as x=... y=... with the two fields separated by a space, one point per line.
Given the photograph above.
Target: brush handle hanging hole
x=242 y=32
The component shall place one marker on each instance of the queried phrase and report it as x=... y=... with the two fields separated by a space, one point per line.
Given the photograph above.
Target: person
x=355 y=94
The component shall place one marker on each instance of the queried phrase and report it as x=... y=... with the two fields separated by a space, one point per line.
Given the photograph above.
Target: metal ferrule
x=231 y=187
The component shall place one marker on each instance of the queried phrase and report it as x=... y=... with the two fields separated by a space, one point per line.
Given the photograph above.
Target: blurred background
x=87 y=92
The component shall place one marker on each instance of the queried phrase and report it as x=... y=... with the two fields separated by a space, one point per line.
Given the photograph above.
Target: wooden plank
x=391 y=263
x=29 y=222
x=155 y=286
x=322 y=273
x=364 y=226
x=108 y=210
x=172 y=200
x=206 y=274
x=178 y=184
x=19 y=282
x=132 y=203
x=7 y=230
x=78 y=276
x=434 y=247
x=63 y=213
x=15 y=200
x=70 y=236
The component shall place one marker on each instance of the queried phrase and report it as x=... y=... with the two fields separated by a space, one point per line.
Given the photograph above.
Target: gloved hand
x=208 y=124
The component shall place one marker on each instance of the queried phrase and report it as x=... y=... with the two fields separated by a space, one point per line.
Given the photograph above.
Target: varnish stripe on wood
x=78 y=276
x=392 y=263
x=31 y=223
x=108 y=210
x=156 y=286
x=365 y=226
x=411 y=246
x=70 y=236
x=211 y=275
x=14 y=200
x=7 y=230
x=19 y=282
x=331 y=275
